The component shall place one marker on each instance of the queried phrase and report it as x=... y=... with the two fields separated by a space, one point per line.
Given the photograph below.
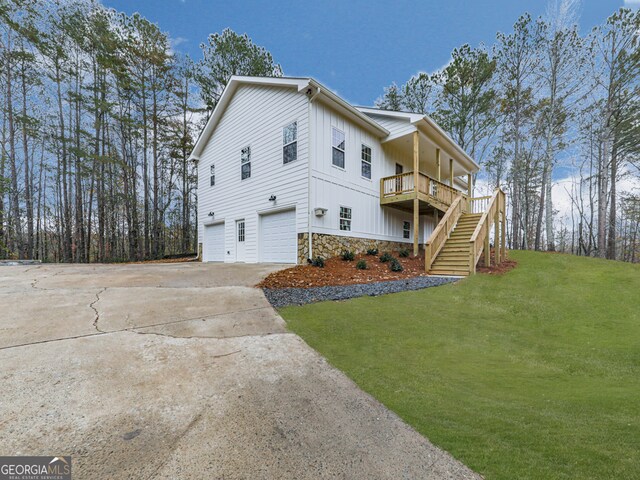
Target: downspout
x=312 y=134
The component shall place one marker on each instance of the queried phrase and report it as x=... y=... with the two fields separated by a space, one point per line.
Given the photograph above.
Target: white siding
x=332 y=187
x=396 y=126
x=255 y=116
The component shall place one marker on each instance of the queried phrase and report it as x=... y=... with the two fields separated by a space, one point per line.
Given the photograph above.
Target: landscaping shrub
x=318 y=262
x=372 y=251
x=386 y=257
x=404 y=253
x=395 y=265
x=361 y=265
x=348 y=256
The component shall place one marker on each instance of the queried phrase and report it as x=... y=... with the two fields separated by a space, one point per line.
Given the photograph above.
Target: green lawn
x=534 y=374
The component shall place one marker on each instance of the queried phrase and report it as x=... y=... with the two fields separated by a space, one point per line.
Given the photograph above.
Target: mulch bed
x=339 y=272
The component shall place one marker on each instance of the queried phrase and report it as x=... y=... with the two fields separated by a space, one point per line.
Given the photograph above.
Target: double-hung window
x=406 y=229
x=245 y=162
x=212 y=175
x=366 y=161
x=345 y=218
x=337 y=147
x=290 y=143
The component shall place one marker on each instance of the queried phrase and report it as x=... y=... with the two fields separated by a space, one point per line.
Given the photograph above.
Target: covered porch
x=436 y=175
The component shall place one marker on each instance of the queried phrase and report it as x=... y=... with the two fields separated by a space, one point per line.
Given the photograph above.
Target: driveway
x=180 y=371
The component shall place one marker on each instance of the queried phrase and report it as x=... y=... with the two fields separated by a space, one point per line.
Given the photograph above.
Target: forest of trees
x=546 y=102
x=99 y=118
x=100 y=114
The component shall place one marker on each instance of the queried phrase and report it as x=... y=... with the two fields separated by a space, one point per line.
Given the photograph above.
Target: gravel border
x=282 y=297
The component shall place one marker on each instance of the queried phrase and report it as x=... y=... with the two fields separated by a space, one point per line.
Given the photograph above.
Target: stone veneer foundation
x=327 y=246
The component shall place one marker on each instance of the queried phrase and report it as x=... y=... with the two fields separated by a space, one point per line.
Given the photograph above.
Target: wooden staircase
x=453 y=258
x=456 y=244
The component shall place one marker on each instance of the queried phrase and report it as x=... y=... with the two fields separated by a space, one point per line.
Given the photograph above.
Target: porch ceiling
x=404 y=146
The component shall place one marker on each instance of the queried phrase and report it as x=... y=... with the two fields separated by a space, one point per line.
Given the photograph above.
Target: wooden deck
x=463 y=232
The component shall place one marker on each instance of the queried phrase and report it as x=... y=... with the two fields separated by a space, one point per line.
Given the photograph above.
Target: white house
x=288 y=170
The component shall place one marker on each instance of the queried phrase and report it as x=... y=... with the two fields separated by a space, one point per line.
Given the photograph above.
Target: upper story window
x=406 y=229
x=337 y=147
x=345 y=218
x=366 y=161
x=245 y=162
x=290 y=143
x=212 y=175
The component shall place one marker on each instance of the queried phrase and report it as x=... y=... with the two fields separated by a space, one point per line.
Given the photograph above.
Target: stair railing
x=479 y=241
x=442 y=231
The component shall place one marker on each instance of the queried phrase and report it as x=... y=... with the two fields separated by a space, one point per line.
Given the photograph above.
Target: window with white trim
x=406 y=229
x=366 y=161
x=345 y=218
x=290 y=143
x=337 y=147
x=212 y=175
x=245 y=162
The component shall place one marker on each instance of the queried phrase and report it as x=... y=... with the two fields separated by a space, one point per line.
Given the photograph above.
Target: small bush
x=318 y=262
x=395 y=265
x=386 y=257
x=372 y=251
x=404 y=253
x=361 y=265
x=348 y=256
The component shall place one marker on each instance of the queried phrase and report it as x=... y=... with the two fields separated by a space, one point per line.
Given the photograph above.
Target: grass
x=533 y=374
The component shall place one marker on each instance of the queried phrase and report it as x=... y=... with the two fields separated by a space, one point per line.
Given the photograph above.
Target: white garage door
x=278 y=237
x=213 y=248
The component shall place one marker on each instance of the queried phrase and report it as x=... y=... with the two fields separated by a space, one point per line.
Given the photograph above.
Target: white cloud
x=632 y=3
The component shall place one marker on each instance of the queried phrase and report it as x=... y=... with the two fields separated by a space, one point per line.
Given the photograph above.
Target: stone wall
x=327 y=246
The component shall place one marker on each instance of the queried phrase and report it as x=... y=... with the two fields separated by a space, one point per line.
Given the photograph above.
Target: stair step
x=463 y=255
x=446 y=263
x=461 y=273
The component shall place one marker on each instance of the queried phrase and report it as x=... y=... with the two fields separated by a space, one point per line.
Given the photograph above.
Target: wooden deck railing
x=405 y=183
x=442 y=231
x=479 y=241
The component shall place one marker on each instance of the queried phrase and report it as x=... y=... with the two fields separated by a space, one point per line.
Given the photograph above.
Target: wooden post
x=416 y=201
x=503 y=247
x=451 y=172
x=470 y=184
x=438 y=169
x=487 y=245
x=496 y=235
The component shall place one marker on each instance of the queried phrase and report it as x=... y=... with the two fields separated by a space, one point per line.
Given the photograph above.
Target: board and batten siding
x=255 y=117
x=333 y=187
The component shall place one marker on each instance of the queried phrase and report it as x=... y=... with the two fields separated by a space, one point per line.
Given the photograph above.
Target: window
x=337 y=150
x=241 y=231
x=366 y=161
x=345 y=218
x=245 y=162
x=406 y=229
x=212 y=178
x=290 y=143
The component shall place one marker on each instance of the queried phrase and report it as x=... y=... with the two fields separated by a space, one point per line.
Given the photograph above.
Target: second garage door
x=278 y=239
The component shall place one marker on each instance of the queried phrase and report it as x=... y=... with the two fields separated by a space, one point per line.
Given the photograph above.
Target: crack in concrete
x=95 y=310
x=35 y=286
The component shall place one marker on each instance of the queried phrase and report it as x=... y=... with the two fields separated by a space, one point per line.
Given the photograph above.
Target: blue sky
x=354 y=47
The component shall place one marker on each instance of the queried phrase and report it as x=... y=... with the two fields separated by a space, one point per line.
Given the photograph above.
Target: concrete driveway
x=180 y=371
